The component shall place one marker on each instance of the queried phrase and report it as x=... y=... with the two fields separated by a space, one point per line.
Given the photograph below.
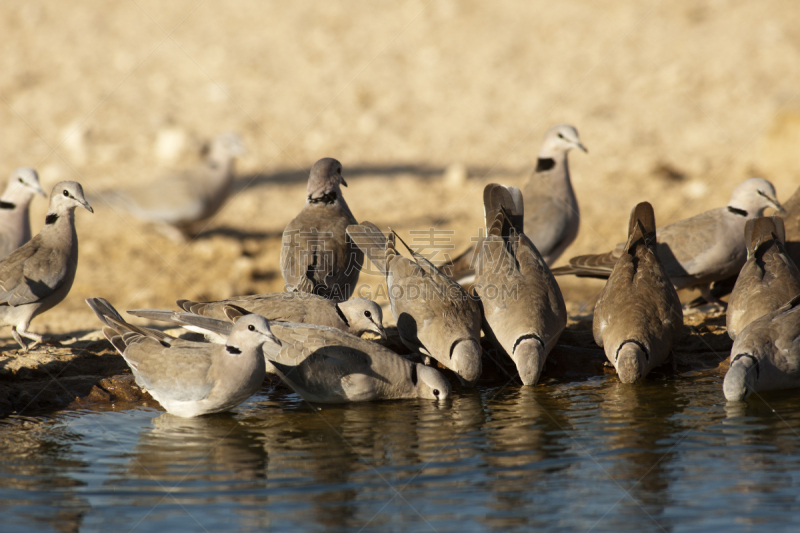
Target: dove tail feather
x=372 y=242
x=759 y=230
x=114 y=322
x=103 y=309
x=642 y=225
x=503 y=209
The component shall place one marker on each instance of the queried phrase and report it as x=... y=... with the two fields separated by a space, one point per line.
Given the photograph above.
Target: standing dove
x=638 y=316
x=523 y=309
x=699 y=250
x=356 y=316
x=39 y=274
x=327 y=365
x=180 y=205
x=434 y=314
x=768 y=279
x=552 y=217
x=15 y=222
x=317 y=256
x=191 y=378
x=766 y=354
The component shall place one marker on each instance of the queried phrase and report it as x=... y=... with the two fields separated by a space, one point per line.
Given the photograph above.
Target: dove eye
x=21 y=180
x=66 y=192
x=560 y=136
x=251 y=327
x=367 y=314
x=436 y=392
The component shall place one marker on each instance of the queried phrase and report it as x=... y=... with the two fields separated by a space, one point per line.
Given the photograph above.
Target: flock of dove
x=311 y=335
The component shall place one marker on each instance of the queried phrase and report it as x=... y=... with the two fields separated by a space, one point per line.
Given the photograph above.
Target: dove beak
x=380 y=331
x=774 y=201
x=582 y=147
x=273 y=339
x=344 y=182
x=38 y=189
x=85 y=204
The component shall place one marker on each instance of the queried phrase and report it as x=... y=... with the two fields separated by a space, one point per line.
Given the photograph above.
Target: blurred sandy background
x=677 y=102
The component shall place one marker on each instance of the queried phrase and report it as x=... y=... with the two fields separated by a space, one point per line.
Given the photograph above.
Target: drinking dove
x=180 y=205
x=552 y=216
x=434 y=314
x=327 y=365
x=15 y=223
x=638 y=316
x=766 y=354
x=317 y=256
x=191 y=378
x=39 y=274
x=767 y=280
x=523 y=309
x=356 y=316
x=699 y=250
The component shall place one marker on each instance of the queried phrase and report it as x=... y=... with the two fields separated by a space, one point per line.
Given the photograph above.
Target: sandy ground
x=677 y=102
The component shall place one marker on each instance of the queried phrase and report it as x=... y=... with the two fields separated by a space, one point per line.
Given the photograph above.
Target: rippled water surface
x=596 y=455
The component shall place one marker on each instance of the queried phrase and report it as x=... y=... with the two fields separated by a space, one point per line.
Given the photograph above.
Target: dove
x=190 y=378
x=551 y=210
x=638 y=317
x=316 y=255
x=699 y=250
x=326 y=365
x=523 y=309
x=15 y=223
x=434 y=314
x=767 y=280
x=38 y=275
x=181 y=204
x=766 y=354
x=551 y=217
x=356 y=316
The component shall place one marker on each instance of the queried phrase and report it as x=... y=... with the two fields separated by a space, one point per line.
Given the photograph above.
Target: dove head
x=631 y=361
x=429 y=383
x=529 y=356
x=559 y=140
x=66 y=196
x=250 y=332
x=741 y=378
x=465 y=358
x=363 y=315
x=23 y=184
x=753 y=196
x=324 y=181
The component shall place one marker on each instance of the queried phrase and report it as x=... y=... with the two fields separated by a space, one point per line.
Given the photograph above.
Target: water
x=592 y=455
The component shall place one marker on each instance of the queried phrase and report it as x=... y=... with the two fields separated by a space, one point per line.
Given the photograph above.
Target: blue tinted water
x=594 y=455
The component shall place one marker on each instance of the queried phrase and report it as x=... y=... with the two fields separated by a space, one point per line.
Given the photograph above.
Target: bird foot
x=18 y=336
